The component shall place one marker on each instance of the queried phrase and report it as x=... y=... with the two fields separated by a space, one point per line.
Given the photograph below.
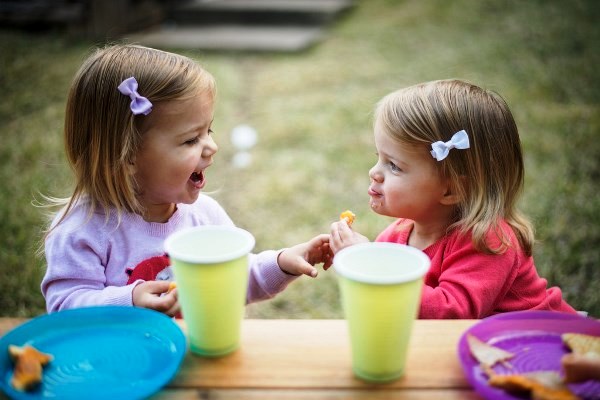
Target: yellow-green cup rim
x=172 y=249
x=402 y=276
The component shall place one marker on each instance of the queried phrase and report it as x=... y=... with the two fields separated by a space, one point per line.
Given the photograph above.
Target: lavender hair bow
x=440 y=150
x=139 y=104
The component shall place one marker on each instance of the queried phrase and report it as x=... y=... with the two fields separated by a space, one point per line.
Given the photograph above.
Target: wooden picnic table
x=310 y=359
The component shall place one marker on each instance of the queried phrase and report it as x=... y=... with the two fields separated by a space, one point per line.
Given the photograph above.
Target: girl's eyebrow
x=197 y=128
x=384 y=154
x=392 y=157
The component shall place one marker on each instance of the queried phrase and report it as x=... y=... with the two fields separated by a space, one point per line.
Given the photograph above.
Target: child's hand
x=148 y=295
x=300 y=259
x=343 y=236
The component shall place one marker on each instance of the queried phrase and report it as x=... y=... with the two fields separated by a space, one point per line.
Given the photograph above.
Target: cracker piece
x=580 y=367
x=486 y=354
x=582 y=344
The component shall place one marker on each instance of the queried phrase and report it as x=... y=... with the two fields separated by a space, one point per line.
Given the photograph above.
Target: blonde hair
x=488 y=177
x=101 y=134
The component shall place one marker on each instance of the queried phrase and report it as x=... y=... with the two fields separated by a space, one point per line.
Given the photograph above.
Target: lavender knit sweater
x=88 y=258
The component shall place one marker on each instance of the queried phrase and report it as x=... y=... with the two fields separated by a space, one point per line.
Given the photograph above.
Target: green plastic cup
x=380 y=287
x=210 y=264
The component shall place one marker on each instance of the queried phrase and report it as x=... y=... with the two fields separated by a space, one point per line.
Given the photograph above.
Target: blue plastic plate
x=99 y=353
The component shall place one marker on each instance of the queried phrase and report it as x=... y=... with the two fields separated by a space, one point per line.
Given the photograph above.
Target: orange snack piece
x=542 y=385
x=348 y=216
x=28 y=366
x=172 y=286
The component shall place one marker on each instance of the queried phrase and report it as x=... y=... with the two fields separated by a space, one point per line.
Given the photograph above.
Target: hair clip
x=139 y=104
x=440 y=150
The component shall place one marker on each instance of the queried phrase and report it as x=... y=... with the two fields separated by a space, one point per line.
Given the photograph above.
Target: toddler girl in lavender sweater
x=138 y=138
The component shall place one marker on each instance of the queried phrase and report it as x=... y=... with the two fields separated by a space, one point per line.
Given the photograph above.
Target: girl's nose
x=375 y=174
x=210 y=147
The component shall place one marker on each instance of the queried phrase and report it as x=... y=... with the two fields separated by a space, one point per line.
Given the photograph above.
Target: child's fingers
x=340 y=227
x=169 y=302
x=305 y=268
x=339 y=231
x=344 y=226
x=319 y=241
x=174 y=310
x=326 y=256
x=157 y=287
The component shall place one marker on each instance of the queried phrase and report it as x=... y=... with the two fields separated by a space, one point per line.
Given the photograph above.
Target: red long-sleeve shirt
x=463 y=282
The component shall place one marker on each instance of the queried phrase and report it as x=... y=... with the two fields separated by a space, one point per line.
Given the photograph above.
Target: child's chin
x=191 y=197
x=376 y=206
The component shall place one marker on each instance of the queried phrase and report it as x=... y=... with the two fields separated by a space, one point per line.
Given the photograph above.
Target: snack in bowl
x=349 y=216
x=28 y=366
x=536 y=339
x=580 y=368
x=541 y=385
x=584 y=362
x=582 y=344
x=487 y=355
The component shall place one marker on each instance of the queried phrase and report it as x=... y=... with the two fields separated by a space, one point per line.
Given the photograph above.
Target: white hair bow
x=440 y=150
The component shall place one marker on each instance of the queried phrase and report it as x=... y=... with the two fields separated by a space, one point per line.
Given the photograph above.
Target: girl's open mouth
x=197 y=178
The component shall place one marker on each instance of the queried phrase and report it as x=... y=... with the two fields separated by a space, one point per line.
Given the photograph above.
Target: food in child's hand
x=541 y=385
x=28 y=366
x=348 y=216
x=172 y=285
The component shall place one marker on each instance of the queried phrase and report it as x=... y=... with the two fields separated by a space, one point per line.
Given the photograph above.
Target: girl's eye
x=394 y=167
x=210 y=132
x=192 y=142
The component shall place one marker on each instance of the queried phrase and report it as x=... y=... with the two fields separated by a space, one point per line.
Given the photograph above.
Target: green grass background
x=313 y=114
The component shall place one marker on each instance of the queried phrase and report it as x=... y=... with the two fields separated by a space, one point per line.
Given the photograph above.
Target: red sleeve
x=465 y=283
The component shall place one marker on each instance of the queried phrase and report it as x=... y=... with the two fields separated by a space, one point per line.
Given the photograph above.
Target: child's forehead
x=180 y=115
x=395 y=143
x=179 y=105
x=404 y=154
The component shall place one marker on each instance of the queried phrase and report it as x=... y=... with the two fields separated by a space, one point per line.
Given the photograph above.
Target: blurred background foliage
x=313 y=114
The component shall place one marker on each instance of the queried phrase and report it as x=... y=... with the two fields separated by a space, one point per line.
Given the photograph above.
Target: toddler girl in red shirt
x=450 y=168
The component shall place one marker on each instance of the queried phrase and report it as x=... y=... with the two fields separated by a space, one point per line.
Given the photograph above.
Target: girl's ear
x=130 y=167
x=452 y=196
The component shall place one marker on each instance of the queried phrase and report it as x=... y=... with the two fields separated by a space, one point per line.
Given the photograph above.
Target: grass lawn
x=313 y=115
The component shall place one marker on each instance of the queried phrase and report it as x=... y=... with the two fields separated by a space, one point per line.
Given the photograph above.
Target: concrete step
x=232 y=37
x=258 y=12
x=244 y=25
